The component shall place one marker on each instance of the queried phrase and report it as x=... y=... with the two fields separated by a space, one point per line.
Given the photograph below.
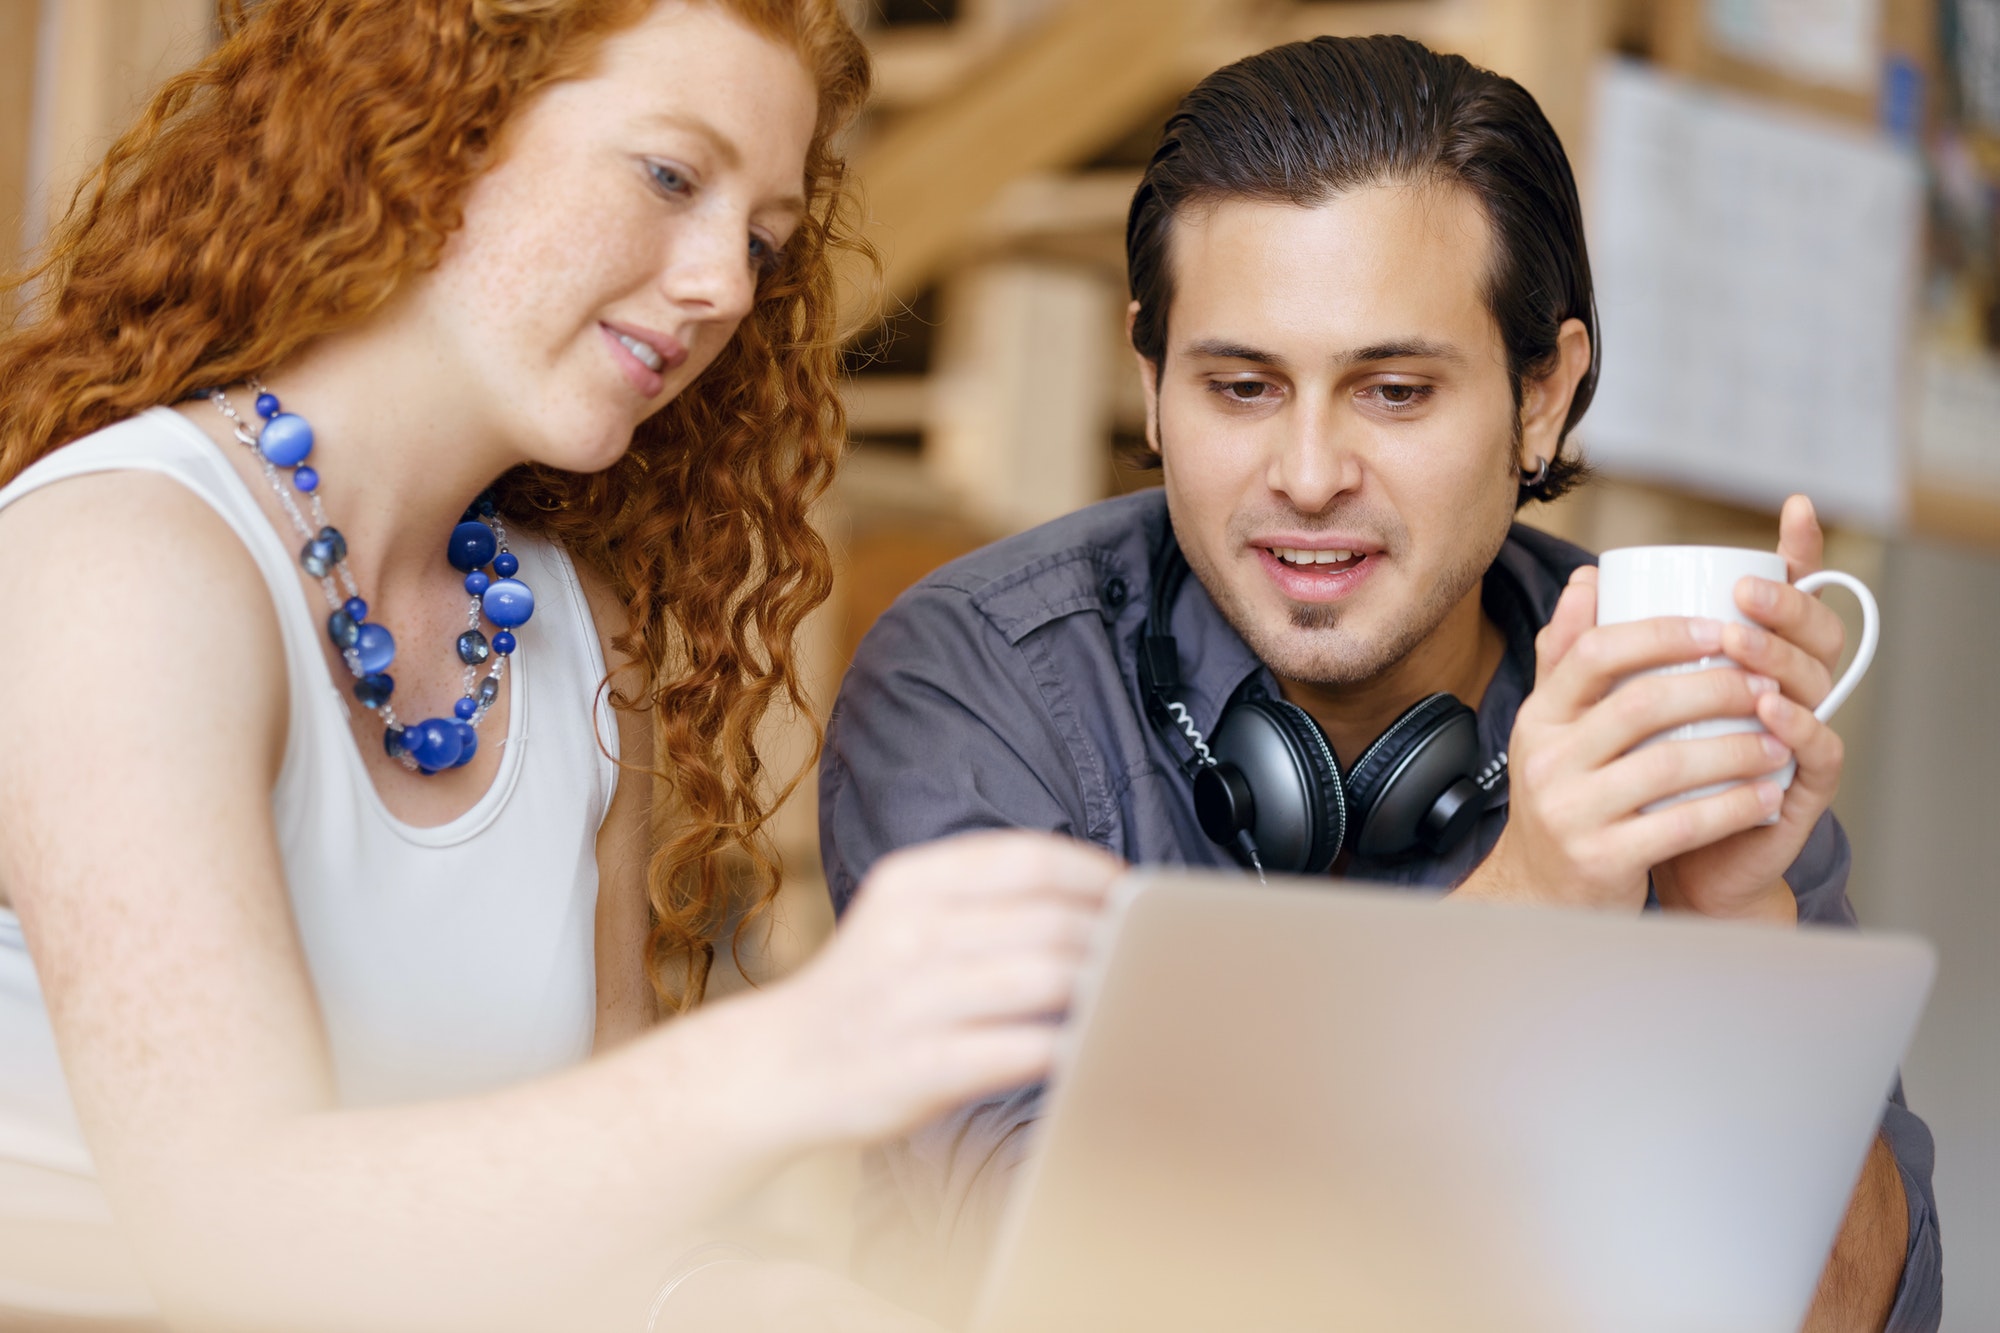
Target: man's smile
x=1319 y=572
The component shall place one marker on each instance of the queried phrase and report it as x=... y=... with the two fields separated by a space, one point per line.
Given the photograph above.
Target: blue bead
x=508 y=603
x=489 y=690
x=506 y=565
x=376 y=648
x=357 y=608
x=435 y=743
x=340 y=627
x=373 y=690
x=477 y=582
x=267 y=405
x=465 y=708
x=334 y=543
x=485 y=507
x=392 y=741
x=305 y=479
x=468 y=740
x=503 y=643
x=285 y=440
x=316 y=558
x=471 y=545
x=473 y=648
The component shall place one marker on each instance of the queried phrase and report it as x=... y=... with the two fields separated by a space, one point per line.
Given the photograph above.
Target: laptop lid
x=1303 y=1107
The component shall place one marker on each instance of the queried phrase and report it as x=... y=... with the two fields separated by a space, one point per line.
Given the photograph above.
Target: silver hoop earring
x=1539 y=480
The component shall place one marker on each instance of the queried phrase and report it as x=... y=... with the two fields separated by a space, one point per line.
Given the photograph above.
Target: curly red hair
x=285 y=188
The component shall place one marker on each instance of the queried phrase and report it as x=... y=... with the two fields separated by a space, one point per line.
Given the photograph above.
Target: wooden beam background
x=107 y=58
x=1072 y=85
x=19 y=23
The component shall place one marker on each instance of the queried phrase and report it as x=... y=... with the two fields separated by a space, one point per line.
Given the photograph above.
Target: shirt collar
x=1215 y=662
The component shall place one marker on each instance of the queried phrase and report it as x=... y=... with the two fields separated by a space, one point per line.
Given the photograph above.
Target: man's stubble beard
x=1335 y=657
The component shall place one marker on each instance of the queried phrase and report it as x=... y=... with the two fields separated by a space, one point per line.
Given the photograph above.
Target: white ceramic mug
x=1640 y=582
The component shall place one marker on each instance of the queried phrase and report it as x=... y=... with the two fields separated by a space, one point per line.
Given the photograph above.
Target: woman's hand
x=1798 y=646
x=761 y=1296
x=946 y=980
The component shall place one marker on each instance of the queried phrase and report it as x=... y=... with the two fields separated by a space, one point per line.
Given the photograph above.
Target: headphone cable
x=1247 y=845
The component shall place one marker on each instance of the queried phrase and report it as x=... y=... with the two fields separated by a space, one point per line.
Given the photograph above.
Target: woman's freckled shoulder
x=133 y=542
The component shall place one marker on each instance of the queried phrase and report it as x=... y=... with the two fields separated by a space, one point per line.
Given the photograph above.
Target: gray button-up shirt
x=1002 y=692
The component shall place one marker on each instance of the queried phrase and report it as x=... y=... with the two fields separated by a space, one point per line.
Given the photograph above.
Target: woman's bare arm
x=142 y=703
x=142 y=735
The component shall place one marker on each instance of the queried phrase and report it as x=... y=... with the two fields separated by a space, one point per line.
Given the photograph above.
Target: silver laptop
x=1304 y=1107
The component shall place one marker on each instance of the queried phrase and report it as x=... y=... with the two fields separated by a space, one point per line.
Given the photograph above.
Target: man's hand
x=1798 y=646
x=1578 y=783
x=1577 y=830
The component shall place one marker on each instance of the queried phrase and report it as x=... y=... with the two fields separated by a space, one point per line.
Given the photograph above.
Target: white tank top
x=446 y=960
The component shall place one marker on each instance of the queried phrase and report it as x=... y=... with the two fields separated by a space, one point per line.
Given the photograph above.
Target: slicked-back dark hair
x=1306 y=121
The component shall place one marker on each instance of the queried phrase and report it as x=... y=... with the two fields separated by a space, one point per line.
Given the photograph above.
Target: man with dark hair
x=1362 y=315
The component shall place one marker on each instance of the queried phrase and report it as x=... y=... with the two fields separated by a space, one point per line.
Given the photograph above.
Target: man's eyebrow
x=1219 y=349
x=1401 y=349
x=1405 y=349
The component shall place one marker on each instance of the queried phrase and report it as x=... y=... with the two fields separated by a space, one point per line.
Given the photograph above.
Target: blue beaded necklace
x=284 y=440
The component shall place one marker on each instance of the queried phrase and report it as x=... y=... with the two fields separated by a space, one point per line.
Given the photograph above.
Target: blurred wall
x=73 y=74
x=1926 y=862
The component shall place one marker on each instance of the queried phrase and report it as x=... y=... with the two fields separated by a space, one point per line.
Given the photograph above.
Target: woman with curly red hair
x=354 y=871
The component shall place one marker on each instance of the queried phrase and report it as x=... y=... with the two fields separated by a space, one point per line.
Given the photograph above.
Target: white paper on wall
x=1755 y=276
x=1822 y=41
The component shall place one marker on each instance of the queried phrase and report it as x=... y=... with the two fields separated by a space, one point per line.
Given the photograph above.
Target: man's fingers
x=1655 y=772
x=1800 y=541
x=1603 y=657
x=1798 y=618
x=1801 y=675
x=1575 y=613
x=1641 y=709
x=1665 y=834
x=1818 y=748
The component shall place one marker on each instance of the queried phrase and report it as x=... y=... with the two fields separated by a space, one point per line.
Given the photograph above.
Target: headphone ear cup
x=1298 y=802
x=1396 y=782
x=1371 y=772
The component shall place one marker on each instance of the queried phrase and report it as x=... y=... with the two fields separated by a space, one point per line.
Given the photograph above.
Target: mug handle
x=1871 y=633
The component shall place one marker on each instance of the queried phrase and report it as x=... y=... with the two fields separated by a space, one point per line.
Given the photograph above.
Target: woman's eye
x=669 y=179
x=764 y=256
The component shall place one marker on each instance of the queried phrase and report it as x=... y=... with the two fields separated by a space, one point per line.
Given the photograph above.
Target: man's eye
x=1246 y=391
x=1402 y=395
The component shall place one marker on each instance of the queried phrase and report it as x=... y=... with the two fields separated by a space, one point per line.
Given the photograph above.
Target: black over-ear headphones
x=1267 y=786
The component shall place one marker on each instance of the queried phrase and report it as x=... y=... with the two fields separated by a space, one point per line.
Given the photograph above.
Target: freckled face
x=609 y=255
x=1336 y=421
